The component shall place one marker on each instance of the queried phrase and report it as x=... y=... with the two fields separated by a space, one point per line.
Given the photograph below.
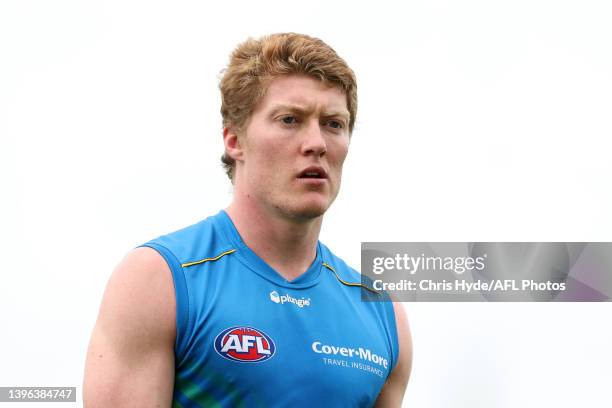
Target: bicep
x=393 y=391
x=130 y=360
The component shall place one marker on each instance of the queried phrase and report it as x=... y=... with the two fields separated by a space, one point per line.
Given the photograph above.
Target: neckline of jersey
x=307 y=279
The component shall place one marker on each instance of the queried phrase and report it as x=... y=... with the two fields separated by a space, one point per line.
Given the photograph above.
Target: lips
x=313 y=172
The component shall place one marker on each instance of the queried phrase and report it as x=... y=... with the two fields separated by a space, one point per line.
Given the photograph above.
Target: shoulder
x=140 y=296
x=192 y=243
x=403 y=331
x=131 y=351
x=348 y=274
x=394 y=389
x=338 y=265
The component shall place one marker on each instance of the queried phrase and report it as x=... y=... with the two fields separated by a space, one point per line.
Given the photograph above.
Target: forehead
x=304 y=92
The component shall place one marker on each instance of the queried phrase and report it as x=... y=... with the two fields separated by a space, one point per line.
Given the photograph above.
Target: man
x=248 y=308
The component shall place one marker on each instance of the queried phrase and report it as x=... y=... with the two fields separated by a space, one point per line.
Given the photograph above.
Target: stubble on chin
x=298 y=208
x=301 y=213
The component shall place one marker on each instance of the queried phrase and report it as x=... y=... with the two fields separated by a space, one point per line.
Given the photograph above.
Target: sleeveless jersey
x=247 y=337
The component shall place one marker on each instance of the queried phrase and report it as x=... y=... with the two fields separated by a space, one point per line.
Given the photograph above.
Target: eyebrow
x=306 y=110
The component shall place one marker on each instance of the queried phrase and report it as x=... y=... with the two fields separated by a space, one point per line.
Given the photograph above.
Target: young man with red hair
x=247 y=307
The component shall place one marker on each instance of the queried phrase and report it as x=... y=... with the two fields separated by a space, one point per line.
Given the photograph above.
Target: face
x=291 y=153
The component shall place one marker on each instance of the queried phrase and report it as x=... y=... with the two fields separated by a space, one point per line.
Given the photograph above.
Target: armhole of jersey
x=394 y=334
x=183 y=316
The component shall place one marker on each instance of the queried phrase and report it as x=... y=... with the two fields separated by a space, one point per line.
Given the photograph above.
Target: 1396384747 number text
x=39 y=394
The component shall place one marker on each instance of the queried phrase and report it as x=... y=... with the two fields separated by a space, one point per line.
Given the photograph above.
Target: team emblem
x=245 y=344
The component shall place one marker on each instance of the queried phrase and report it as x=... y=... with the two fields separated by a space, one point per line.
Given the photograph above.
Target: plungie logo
x=282 y=299
x=274 y=296
x=244 y=344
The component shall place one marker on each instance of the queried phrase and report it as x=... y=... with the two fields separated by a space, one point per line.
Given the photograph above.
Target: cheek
x=338 y=153
x=269 y=159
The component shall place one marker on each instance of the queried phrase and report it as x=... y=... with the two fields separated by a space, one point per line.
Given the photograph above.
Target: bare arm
x=130 y=361
x=393 y=391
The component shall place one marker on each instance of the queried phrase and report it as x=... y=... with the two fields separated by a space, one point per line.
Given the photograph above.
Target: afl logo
x=244 y=344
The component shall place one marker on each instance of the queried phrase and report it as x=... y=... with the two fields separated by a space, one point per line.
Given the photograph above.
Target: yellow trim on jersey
x=208 y=259
x=325 y=264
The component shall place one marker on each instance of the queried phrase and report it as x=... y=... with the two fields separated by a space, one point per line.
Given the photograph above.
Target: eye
x=335 y=124
x=288 y=120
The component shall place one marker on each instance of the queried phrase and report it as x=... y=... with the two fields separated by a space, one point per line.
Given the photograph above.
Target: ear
x=233 y=145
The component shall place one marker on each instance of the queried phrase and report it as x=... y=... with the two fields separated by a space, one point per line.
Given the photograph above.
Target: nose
x=313 y=140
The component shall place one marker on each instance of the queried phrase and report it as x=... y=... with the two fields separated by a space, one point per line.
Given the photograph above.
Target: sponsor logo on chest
x=244 y=344
x=287 y=298
x=358 y=358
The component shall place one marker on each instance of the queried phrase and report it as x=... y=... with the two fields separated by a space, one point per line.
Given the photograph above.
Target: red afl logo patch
x=245 y=344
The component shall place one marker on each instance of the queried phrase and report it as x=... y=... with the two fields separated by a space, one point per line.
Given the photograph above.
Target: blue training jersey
x=247 y=337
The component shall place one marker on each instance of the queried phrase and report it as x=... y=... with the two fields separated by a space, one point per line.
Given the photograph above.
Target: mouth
x=313 y=172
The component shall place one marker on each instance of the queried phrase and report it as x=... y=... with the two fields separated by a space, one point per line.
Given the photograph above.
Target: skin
x=300 y=122
x=393 y=391
x=130 y=360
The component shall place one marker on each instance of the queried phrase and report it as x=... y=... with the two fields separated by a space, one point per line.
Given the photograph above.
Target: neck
x=287 y=244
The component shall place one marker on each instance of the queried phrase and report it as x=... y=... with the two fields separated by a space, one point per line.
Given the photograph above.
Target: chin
x=305 y=211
